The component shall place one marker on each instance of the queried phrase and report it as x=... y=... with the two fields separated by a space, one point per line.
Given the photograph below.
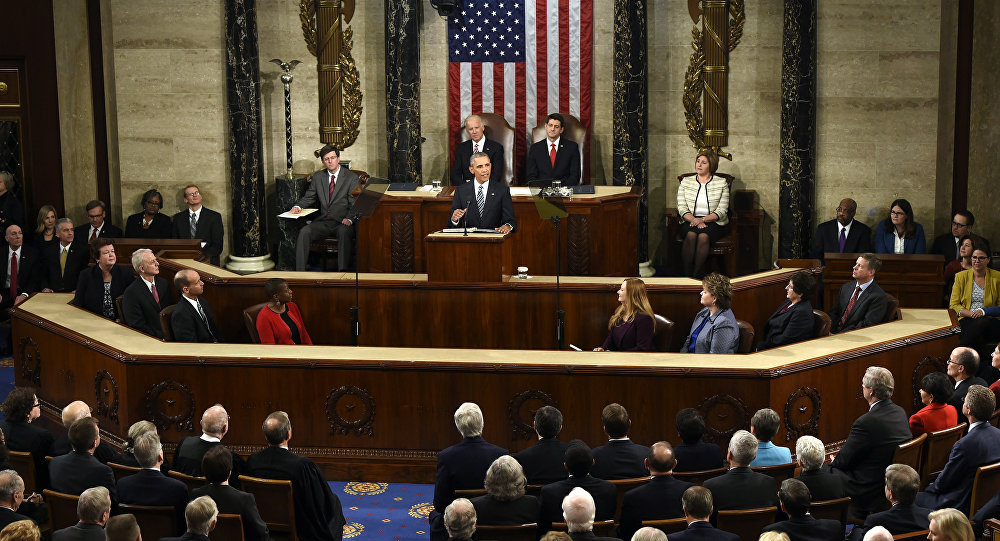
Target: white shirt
x=481 y=142
x=846 y=229
x=899 y=243
x=149 y=285
x=548 y=144
x=197 y=213
x=208 y=438
x=64 y=248
x=194 y=302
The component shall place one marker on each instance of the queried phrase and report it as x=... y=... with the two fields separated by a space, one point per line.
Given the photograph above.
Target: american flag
x=522 y=59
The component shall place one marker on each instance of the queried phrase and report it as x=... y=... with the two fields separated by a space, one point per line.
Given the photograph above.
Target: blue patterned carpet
x=380 y=511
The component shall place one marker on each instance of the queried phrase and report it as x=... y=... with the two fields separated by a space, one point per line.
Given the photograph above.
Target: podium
x=478 y=257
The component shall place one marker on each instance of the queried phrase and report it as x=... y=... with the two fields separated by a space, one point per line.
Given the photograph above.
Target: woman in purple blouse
x=631 y=326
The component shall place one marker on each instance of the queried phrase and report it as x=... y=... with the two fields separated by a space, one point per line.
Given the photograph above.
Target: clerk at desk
x=483 y=204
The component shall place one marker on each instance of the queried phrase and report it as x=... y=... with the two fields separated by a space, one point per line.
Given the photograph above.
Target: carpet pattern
x=378 y=511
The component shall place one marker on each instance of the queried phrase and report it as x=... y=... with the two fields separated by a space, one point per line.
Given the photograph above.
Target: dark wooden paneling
x=916 y=280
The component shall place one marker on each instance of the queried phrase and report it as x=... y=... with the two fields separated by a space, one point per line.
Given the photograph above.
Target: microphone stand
x=465 y=221
x=560 y=313
x=355 y=322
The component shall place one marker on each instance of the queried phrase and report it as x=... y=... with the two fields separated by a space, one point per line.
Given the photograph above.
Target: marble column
x=402 y=89
x=797 y=175
x=630 y=111
x=246 y=171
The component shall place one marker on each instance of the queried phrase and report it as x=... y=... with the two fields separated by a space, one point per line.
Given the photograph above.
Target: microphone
x=465 y=221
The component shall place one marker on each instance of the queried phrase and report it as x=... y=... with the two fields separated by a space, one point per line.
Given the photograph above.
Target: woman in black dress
x=631 y=326
x=100 y=284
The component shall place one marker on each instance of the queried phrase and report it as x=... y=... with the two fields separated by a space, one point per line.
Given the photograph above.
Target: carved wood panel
x=517 y=412
x=578 y=239
x=401 y=225
x=351 y=409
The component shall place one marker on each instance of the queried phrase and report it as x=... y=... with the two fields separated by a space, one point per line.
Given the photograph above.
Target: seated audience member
x=199 y=222
x=899 y=233
x=146 y=297
x=901 y=485
x=62 y=261
x=149 y=486
x=543 y=462
x=714 y=329
x=823 y=484
x=843 y=235
x=793 y=320
x=127 y=457
x=191 y=450
x=554 y=157
x=631 y=326
x=648 y=533
x=20 y=275
x=477 y=142
x=741 y=487
x=99 y=285
x=150 y=223
x=217 y=465
x=192 y=320
x=963 y=365
x=330 y=190
x=11 y=208
x=620 y=458
x=318 y=514
x=949 y=525
x=556 y=536
x=773 y=536
x=98 y=226
x=201 y=514
x=45 y=230
x=483 y=204
x=860 y=303
x=578 y=512
x=878 y=533
x=764 y=426
x=697 y=504
x=578 y=462
x=93 y=509
x=280 y=322
x=693 y=454
x=975 y=299
x=949 y=244
x=872 y=442
x=459 y=520
x=657 y=500
x=794 y=498
x=505 y=501
x=979 y=447
x=22 y=530
x=73 y=411
x=19 y=409
x=703 y=206
x=995 y=362
x=463 y=465
x=123 y=528
x=937 y=414
x=77 y=471
x=959 y=264
x=11 y=497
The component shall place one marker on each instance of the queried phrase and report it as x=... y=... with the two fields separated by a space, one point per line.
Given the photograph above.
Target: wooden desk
x=478 y=257
x=599 y=238
x=177 y=247
x=916 y=280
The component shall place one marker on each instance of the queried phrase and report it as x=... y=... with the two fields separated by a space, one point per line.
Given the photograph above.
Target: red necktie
x=552 y=155
x=13 y=275
x=156 y=296
x=850 y=305
x=93 y=236
x=333 y=183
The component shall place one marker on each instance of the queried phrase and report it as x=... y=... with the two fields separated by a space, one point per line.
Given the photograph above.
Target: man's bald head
x=277 y=428
x=215 y=421
x=74 y=411
x=661 y=458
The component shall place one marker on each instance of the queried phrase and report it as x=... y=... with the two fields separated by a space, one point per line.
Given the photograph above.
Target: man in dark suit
x=11 y=496
x=578 y=461
x=93 y=510
x=843 y=234
x=318 y=514
x=693 y=454
x=149 y=486
x=578 y=510
x=741 y=487
x=199 y=222
x=11 y=208
x=801 y=526
x=483 y=204
x=961 y=225
x=620 y=458
x=77 y=471
x=331 y=189
x=543 y=462
x=860 y=303
x=98 y=226
x=123 y=528
x=63 y=260
x=822 y=482
x=697 y=504
x=460 y=520
x=145 y=298
x=192 y=320
x=554 y=157
x=21 y=271
x=78 y=409
x=963 y=365
x=657 y=500
x=201 y=515
x=191 y=450
x=217 y=466
x=872 y=441
x=901 y=485
x=477 y=142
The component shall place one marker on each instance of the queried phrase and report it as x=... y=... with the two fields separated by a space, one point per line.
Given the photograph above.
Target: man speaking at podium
x=483 y=204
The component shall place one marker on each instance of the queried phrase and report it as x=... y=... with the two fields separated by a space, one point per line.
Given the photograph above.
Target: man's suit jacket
x=152 y=487
x=953 y=487
x=460 y=173
x=161 y=228
x=210 y=231
x=188 y=326
x=809 y=528
x=543 y=462
x=742 y=488
x=946 y=246
x=793 y=325
x=141 y=311
x=957 y=398
x=90 y=287
x=567 y=166
x=620 y=459
x=589 y=536
x=30 y=438
x=491 y=511
x=7 y=516
x=81 y=531
x=698 y=456
x=188 y=536
x=75 y=472
x=236 y=502
x=869 y=448
x=823 y=484
x=81 y=233
x=827 y=239
x=868 y=310
x=55 y=278
x=605 y=499
x=29 y=271
x=104 y=453
x=703 y=531
x=499 y=208
x=658 y=499
x=317 y=195
x=461 y=467
x=900 y=518
x=191 y=449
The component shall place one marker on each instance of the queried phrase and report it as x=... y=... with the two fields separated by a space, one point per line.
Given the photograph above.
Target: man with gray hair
x=477 y=142
x=872 y=441
x=11 y=496
x=62 y=261
x=697 y=504
x=123 y=528
x=901 y=486
x=823 y=484
x=460 y=520
x=461 y=466
x=963 y=365
x=93 y=509
x=648 y=533
x=201 y=515
x=741 y=487
x=149 y=486
x=78 y=409
x=878 y=533
x=145 y=298
x=578 y=511
x=190 y=450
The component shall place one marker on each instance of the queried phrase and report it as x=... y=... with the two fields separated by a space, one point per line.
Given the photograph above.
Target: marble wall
x=984 y=139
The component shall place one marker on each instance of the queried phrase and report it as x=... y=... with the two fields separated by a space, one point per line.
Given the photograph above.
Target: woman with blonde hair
x=45 y=232
x=773 y=536
x=127 y=458
x=21 y=530
x=949 y=524
x=631 y=326
x=505 y=501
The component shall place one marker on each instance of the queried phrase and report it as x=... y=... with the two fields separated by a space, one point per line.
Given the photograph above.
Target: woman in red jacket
x=280 y=322
x=935 y=390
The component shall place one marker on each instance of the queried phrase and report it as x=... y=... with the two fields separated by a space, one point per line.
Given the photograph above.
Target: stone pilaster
x=402 y=90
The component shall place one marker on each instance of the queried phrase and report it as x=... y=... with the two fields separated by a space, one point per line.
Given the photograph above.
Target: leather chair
x=62 y=509
x=663 y=333
x=746 y=523
x=936 y=452
x=668 y=525
x=190 y=481
x=911 y=452
x=984 y=486
x=516 y=532
x=821 y=324
x=831 y=509
x=779 y=472
x=497 y=128
x=746 y=337
x=275 y=503
x=156 y=521
x=624 y=485
x=699 y=477
x=892 y=312
x=327 y=247
x=227 y=528
x=122 y=471
x=250 y=321
x=725 y=248
x=24 y=465
x=165 y=324
x=121 y=313
x=574 y=131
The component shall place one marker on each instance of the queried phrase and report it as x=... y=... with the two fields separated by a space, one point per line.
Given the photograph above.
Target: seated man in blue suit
x=901 y=486
x=657 y=500
x=697 y=504
x=484 y=204
x=149 y=486
x=75 y=472
x=620 y=458
x=543 y=461
x=860 y=303
x=801 y=526
x=192 y=319
x=578 y=462
x=692 y=453
x=201 y=515
x=741 y=487
x=93 y=510
x=764 y=425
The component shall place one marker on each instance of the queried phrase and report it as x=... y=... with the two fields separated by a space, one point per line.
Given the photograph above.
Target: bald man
x=659 y=499
x=843 y=234
x=190 y=450
x=73 y=411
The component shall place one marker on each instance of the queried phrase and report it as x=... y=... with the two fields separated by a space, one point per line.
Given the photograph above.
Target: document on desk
x=301 y=213
x=471 y=230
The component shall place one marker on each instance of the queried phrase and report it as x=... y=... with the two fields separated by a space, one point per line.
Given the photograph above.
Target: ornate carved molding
x=578 y=240
x=804 y=402
x=924 y=367
x=724 y=414
x=106 y=392
x=401 y=243
x=348 y=398
x=160 y=415
x=525 y=429
x=31 y=360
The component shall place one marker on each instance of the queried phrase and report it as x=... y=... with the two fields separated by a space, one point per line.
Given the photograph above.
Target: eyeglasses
x=894 y=213
x=192 y=194
x=980 y=258
x=848 y=210
x=89 y=215
x=154 y=203
x=956 y=224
